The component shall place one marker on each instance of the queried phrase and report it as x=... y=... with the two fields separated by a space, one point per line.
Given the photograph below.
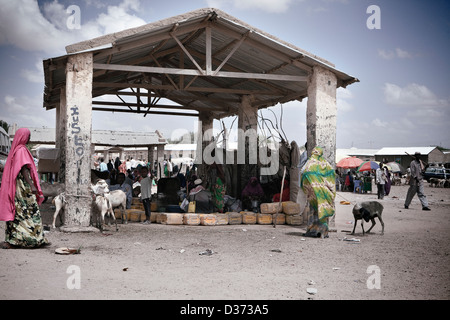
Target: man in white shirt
x=416 y=183
x=146 y=193
x=380 y=180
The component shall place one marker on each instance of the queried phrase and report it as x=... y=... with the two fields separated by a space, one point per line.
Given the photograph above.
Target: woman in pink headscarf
x=20 y=197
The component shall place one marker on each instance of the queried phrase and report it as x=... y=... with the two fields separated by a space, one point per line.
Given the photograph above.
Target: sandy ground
x=410 y=261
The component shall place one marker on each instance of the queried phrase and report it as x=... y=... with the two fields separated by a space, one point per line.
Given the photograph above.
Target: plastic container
x=264 y=218
x=291 y=207
x=234 y=218
x=191 y=219
x=207 y=219
x=222 y=218
x=172 y=218
x=248 y=217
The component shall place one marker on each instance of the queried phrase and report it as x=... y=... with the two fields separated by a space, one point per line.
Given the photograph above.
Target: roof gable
x=203 y=60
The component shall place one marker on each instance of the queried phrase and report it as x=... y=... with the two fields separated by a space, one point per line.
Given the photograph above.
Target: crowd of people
x=21 y=194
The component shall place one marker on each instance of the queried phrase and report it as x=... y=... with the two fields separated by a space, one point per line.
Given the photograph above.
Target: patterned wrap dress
x=26 y=229
x=319 y=184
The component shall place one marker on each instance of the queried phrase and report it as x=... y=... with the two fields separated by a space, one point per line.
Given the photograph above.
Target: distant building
x=363 y=154
x=402 y=155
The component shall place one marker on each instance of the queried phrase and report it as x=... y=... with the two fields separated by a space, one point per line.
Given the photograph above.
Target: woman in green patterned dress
x=318 y=183
x=20 y=196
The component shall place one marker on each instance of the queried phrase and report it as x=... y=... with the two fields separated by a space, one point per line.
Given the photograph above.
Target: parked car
x=433 y=172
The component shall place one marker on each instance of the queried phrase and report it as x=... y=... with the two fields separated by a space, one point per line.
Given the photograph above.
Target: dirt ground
x=410 y=261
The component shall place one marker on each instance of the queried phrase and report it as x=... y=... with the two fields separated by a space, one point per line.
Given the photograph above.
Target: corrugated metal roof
x=403 y=150
x=156 y=45
x=104 y=137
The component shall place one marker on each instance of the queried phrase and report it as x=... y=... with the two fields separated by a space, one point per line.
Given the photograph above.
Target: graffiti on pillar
x=78 y=140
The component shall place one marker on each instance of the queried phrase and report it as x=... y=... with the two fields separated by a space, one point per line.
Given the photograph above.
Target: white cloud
x=23 y=25
x=25 y=111
x=278 y=6
x=342 y=95
x=378 y=123
x=36 y=75
x=411 y=95
x=397 y=53
x=388 y=55
x=403 y=54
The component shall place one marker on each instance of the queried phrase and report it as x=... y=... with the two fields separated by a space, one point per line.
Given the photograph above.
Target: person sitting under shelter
x=252 y=191
x=197 y=187
x=286 y=192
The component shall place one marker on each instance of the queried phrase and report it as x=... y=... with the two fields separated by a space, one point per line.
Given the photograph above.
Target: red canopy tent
x=349 y=162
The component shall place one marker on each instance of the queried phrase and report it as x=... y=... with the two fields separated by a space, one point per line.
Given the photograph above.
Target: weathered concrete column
x=321 y=113
x=150 y=156
x=247 y=152
x=204 y=136
x=60 y=134
x=78 y=143
x=321 y=116
x=160 y=160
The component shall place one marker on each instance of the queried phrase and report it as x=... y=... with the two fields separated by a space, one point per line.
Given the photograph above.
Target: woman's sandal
x=6 y=245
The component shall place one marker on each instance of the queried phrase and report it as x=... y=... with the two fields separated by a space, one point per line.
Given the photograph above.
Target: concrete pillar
x=78 y=143
x=160 y=160
x=321 y=116
x=150 y=156
x=60 y=134
x=204 y=137
x=321 y=113
x=247 y=152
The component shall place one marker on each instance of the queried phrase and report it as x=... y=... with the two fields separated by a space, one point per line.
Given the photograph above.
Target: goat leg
x=54 y=217
x=114 y=217
x=362 y=225
x=382 y=225
x=373 y=224
x=354 y=227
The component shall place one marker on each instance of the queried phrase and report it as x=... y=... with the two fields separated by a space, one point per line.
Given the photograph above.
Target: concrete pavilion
x=208 y=62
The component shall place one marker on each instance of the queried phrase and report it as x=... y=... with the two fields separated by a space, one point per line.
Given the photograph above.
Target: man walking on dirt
x=416 y=183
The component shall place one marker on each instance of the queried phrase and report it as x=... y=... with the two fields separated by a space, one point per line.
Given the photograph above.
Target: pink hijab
x=17 y=158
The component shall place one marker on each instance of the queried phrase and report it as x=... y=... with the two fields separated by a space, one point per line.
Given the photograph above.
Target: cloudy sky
x=403 y=98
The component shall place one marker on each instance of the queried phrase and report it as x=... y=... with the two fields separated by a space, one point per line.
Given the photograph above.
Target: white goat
x=118 y=198
x=99 y=189
x=102 y=201
x=104 y=206
x=59 y=202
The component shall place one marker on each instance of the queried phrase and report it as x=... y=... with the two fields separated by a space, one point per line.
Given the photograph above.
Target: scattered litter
x=311 y=290
x=106 y=234
x=345 y=202
x=276 y=250
x=311 y=282
x=182 y=250
x=160 y=248
x=67 y=250
x=336 y=268
x=352 y=239
x=302 y=239
x=137 y=243
x=350 y=222
x=244 y=230
x=207 y=252
x=125 y=269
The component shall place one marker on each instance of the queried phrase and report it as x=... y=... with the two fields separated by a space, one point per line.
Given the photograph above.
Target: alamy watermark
x=74 y=20
x=74 y=280
x=259 y=150
x=374 y=21
x=374 y=280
